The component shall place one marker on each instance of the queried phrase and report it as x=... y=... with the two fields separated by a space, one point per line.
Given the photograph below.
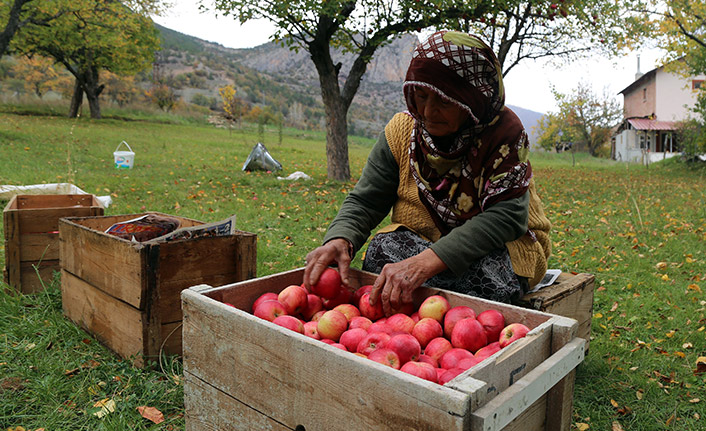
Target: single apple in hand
x=270 y=309
x=332 y=324
x=435 y=307
x=329 y=284
x=493 y=322
x=468 y=334
x=406 y=346
x=512 y=333
x=454 y=315
x=386 y=357
x=294 y=298
x=426 y=330
x=289 y=322
x=423 y=370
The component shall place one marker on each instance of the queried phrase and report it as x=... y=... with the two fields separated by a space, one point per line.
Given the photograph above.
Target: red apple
x=311 y=330
x=329 y=284
x=406 y=346
x=317 y=315
x=360 y=292
x=437 y=347
x=313 y=306
x=340 y=346
x=426 y=330
x=294 y=298
x=386 y=357
x=415 y=316
x=428 y=359
x=468 y=334
x=512 y=333
x=332 y=324
x=400 y=323
x=486 y=351
x=262 y=298
x=454 y=315
x=360 y=322
x=493 y=322
x=372 y=341
x=379 y=326
x=327 y=341
x=349 y=310
x=435 y=307
x=422 y=370
x=451 y=358
x=449 y=375
x=289 y=322
x=352 y=337
x=372 y=312
x=343 y=297
x=467 y=363
x=269 y=309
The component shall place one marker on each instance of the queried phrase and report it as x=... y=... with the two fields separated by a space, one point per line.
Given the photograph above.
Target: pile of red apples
x=436 y=342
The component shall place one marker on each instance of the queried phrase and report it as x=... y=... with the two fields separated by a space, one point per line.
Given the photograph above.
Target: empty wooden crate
x=31 y=228
x=127 y=294
x=245 y=373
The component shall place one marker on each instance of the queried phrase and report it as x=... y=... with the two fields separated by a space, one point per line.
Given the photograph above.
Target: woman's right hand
x=334 y=251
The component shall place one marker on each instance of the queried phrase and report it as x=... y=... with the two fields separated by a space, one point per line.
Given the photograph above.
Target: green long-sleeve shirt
x=376 y=192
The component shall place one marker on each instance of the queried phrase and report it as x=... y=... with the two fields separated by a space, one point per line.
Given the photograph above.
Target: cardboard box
x=127 y=294
x=243 y=373
x=31 y=226
x=571 y=295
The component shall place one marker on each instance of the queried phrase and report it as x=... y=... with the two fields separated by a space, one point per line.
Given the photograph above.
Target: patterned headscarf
x=484 y=162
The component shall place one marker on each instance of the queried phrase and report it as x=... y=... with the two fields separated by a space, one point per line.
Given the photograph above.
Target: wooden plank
x=209 y=409
x=114 y=323
x=11 y=230
x=290 y=376
x=56 y=201
x=114 y=266
x=35 y=276
x=170 y=336
x=504 y=408
x=560 y=399
x=39 y=246
x=47 y=219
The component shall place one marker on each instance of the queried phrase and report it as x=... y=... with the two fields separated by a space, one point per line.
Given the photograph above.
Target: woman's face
x=440 y=117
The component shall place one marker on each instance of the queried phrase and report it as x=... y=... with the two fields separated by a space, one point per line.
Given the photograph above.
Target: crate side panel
x=11 y=229
x=531 y=419
x=197 y=259
x=209 y=409
x=47 y=219
x=55 y=201
x=32 y=282
x=105 y=262
x=273 y=370
x=170 y=336
x=39 y=246
x=113 y=322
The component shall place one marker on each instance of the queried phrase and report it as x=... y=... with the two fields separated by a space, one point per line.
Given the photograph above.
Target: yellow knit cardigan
x=529 y=257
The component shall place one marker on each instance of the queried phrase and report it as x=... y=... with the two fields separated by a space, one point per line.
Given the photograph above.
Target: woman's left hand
x=397 y=281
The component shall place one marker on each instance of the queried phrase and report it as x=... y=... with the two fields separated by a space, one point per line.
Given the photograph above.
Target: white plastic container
x=124 y=159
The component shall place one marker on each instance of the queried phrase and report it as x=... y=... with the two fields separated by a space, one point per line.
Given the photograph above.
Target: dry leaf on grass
x=151 y=413
x=700 y=365
x=615 y=426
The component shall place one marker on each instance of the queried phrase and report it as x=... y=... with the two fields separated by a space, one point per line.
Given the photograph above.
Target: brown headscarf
x=484 y=162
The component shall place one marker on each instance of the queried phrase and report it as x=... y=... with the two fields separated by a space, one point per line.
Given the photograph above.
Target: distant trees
x=87 y=36
x=362 y=26
x=584 y=121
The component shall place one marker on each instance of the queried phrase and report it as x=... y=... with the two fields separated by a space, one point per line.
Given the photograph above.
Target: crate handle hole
x=299 y=428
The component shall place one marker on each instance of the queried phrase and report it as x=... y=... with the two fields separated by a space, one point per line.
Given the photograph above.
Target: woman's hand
x=337 y=250
x=397 y=281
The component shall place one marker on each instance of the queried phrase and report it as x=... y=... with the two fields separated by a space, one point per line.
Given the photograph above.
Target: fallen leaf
x=614 y=403
x=694 y=400
x=639 y=394
x=580 y=426
x=106 y=405
x=151 y=413
x=615 y=426
x=614 y=307
x=670 y=420
x=700 y=365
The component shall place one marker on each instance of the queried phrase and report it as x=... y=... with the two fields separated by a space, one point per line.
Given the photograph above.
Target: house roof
x=647 y=124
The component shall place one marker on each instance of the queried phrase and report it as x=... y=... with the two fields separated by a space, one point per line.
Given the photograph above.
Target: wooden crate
x=127 y=294
x=571 y=295
x=245 y=373
x=31 y=226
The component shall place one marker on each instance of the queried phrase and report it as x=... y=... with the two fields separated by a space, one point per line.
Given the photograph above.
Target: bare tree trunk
x=13 y=24
x=76 y=100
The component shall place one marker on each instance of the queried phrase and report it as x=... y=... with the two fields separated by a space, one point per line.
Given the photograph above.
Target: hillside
x=286 y=80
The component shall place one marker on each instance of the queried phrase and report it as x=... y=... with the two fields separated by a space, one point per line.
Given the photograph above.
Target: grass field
x=640 y=230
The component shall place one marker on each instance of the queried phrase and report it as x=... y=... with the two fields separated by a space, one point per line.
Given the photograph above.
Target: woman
x=454 y=170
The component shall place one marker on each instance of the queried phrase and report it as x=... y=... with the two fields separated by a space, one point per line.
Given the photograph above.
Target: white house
x=652 y=105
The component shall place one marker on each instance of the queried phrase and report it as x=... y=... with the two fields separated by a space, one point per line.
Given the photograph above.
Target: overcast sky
x=527 y=85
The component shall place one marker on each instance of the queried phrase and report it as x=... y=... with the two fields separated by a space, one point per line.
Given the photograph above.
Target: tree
x=163 y=96
x=87 y=36
x=18 y=15
x=38 y=73
x=232 y=105
x=360 y=27
x=585 y=120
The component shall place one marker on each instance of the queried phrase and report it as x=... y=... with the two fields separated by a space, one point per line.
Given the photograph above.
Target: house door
x=658 y=142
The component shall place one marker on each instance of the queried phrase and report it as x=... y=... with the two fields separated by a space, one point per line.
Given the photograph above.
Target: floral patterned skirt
x=490 y=277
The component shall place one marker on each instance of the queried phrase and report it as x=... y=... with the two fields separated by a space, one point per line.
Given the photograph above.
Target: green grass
x=640 y=230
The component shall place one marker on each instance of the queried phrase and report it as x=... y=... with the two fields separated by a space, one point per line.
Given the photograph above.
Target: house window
x=644 y=95
x=696 y=84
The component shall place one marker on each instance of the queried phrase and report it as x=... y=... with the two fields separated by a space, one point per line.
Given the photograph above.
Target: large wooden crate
x=245 y=373
x=127 y=294
x=571 y=295
x=31 y=226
